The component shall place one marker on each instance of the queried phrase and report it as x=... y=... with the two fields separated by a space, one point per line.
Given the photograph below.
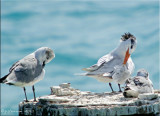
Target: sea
x=79 y=32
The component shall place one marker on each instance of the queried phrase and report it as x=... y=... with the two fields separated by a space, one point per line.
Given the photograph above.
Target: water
x=79 y=33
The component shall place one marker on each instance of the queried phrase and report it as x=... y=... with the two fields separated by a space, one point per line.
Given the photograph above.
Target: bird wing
x=13 y=66
x=104 y=59
x=25 y=70
x=27 y=64
x=106 y=69
x=143 y=85
x=19 y=65
x=140 y=81
x=100 y=62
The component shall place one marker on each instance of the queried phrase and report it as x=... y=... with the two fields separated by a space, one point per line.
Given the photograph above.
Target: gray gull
x=29 y=70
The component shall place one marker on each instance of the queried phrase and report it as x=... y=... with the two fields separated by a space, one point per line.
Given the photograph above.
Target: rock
x=65 y=85
x=64 y=90
x=54 y=99
x=55 y=90
x=156 y=91
x=65 y=100
x=148 y=96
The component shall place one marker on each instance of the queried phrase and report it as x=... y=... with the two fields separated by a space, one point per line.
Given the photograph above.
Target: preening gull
x=116 y=66
x=29 y=70
x=138 y=85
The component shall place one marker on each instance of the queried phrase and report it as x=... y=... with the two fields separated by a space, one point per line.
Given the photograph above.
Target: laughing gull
x=116 y=66
x=138 y=85
x=29 y=70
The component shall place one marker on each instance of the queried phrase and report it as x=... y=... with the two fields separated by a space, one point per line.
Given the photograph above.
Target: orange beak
x=126 y=57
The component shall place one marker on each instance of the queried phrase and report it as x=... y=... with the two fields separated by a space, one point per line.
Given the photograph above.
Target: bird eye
x=132 y=41
x=47 y=55
x=146 y=75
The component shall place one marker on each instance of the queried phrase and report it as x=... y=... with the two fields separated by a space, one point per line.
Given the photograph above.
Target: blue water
x=79 y=33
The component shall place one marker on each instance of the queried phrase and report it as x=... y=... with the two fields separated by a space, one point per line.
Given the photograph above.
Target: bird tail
x=80 y=74
x=3 y=79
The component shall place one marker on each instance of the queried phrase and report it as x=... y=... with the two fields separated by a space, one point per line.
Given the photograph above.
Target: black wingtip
x=2 y=80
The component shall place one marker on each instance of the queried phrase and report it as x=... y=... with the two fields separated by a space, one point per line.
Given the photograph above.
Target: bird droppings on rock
x=148 y=96
x=65 y=100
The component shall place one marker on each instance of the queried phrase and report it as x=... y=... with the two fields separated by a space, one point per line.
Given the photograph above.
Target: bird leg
x=34 y=93
x=25 y=93
x=111 y=87
x=119 y=88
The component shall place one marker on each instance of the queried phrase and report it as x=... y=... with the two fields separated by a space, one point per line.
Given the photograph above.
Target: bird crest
x=127 y=36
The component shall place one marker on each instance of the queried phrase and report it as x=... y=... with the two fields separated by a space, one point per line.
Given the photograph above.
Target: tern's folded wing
x=105 y=59
x=91 y=68
x=101 y=61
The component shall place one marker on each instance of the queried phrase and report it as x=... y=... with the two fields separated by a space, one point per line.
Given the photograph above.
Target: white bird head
x=127 y=45
x=44 y=55
x=143 y=73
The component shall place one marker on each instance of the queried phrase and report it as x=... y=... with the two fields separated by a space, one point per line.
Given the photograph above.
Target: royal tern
x=138 y=85
x=29 y=70
x=116 y=66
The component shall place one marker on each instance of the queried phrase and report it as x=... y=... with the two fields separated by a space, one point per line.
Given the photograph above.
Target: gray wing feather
x=91 y=68
x=100 y=63
x=25 y=70
x=107 y=66
x=13 y=66
x=104 y=59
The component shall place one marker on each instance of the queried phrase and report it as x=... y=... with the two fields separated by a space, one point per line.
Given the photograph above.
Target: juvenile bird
x=138 y=85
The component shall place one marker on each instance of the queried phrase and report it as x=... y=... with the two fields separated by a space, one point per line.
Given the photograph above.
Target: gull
x=29 y=70
x=116 y=66
x=138 y=85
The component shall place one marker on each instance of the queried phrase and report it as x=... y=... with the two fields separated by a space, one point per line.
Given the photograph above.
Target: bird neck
x=120 y=51
x=39 y=58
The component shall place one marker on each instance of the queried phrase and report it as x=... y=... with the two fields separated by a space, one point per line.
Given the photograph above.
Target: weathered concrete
x=67 y=101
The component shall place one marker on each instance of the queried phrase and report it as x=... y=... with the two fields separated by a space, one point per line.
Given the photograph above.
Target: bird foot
x=26 y=101
x=120 y=91
x=113 y=92
x=35 y=100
